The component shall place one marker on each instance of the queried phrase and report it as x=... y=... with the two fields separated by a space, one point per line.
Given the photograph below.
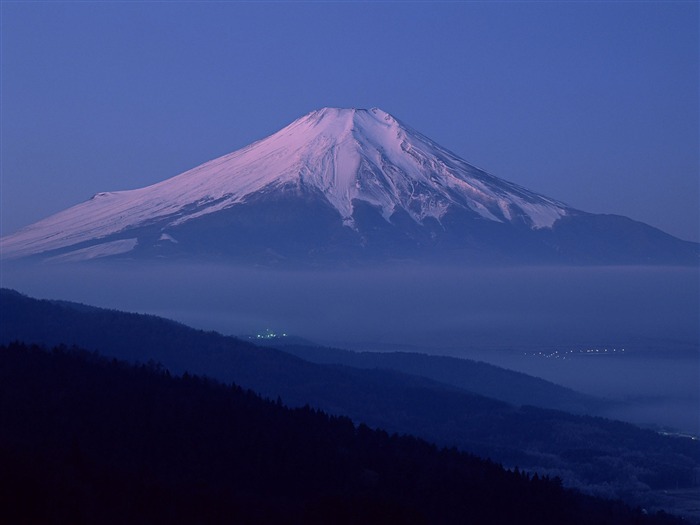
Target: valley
x=487 y=314
x=518 y=420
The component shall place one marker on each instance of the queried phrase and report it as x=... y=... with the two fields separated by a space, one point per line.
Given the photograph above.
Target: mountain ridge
x=255 y=461
x=577 y=448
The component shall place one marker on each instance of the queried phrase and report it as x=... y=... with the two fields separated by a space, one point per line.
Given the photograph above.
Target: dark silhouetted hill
x=90 y=440
x=601 y=456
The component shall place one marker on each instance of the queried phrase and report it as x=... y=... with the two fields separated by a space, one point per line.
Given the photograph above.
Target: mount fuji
x=341 y=185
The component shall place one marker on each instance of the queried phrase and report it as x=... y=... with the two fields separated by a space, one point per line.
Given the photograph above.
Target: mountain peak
x=346 y=155
x=341 y=122
x=335 y=112
x=368 y=155
x=340 y=183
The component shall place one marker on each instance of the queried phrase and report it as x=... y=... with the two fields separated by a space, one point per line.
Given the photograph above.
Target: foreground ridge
x=254 y=461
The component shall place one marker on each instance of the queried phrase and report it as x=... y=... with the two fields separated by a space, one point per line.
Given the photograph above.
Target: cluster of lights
x=556 y=354
x=599 y=351
x=269 y=334
x=679 y=435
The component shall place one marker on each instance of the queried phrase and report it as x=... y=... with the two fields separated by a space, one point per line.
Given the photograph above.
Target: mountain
x=478 y=377
x=341 y=184
x=601 y=456
x=112 y=443
x=270 y=369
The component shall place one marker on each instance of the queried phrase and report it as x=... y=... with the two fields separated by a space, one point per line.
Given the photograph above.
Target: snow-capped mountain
x=334 y=183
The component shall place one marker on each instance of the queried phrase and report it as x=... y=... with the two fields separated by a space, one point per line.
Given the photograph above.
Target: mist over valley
x=547 y=322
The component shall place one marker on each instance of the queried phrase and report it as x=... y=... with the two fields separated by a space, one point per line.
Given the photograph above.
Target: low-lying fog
x=547 y=322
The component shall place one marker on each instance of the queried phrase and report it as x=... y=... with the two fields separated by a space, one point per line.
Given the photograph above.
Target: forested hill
x=88 y=440
x=603 y=457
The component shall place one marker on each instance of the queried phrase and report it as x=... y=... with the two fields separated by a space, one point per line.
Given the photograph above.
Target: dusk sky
x=591 y=103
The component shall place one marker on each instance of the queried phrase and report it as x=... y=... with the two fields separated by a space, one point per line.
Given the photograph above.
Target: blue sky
x=592 y=103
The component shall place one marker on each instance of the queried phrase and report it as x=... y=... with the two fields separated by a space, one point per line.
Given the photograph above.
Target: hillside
x=112 y=443
x=602 y=456
x=485 y=379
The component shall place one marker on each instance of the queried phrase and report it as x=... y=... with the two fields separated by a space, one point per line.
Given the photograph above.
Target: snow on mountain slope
x=347 y=154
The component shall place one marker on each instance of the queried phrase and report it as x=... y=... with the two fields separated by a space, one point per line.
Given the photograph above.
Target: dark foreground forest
x=89 y=440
